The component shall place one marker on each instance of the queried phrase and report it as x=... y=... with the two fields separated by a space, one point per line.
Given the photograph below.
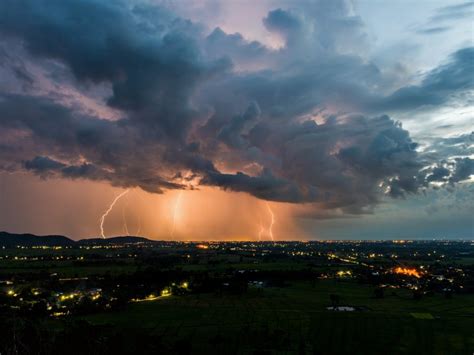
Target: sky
x=237 y=120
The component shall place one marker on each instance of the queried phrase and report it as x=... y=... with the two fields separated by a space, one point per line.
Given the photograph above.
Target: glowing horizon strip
x=102 y=219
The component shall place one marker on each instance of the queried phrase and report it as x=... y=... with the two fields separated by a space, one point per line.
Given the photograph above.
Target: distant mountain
x=115 y=240
x=11 y=240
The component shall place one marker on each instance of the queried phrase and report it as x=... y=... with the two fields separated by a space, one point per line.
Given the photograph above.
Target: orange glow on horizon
x=202 y=214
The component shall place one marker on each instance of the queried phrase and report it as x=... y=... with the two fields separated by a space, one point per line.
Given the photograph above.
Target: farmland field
x=294 y=319
x=238 y=298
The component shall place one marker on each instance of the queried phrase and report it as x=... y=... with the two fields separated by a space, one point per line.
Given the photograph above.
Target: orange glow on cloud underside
x=407 y=271
x=203 y=214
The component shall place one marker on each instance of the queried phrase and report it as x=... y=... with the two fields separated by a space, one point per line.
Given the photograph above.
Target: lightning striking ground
x=124 y=220
x=102 y=219
x=270 y=229
x=175 y=211
x=260 y=232
x=139 y=225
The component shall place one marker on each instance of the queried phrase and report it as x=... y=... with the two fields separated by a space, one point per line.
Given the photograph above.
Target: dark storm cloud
x=16 y=65
x=457 y=170
x=463 y=170
x=114 y=151
x=338 y=163
x=45 y=166
x=153 y=67
x=219 y=44
x=41 y=165
x=265 y=186
x=438 y=86
x=283 y=22
x=188 y=116
x=439 y=173
x=231 y=133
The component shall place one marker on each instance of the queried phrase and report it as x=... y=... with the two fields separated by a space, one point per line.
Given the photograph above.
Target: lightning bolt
x=175 y=211
x=270 y=229
x=260 y=233
x=139 y=225
x=102 y=219
x=124 y=220
x=125 y=227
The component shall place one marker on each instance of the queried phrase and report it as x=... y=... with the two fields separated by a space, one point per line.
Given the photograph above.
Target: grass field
x=66 y=268
x=290 y=319
x=294 y=319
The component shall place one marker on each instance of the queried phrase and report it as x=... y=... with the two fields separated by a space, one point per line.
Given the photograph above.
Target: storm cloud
x=304 y=123
x=438 y=86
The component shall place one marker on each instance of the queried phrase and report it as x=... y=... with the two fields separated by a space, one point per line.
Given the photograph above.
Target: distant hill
x=11 y=240
x=115 y=240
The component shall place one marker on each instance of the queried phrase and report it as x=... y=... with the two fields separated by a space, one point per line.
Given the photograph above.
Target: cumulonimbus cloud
x=303 y=123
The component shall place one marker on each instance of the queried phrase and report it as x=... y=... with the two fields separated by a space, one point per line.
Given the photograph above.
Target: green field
x=294 y=319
